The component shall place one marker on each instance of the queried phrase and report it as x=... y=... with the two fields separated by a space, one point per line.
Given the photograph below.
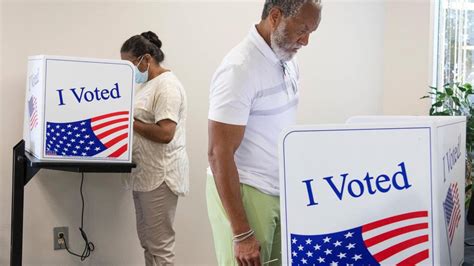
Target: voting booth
x=374 y=191
x=79 y=109
x=78 y=118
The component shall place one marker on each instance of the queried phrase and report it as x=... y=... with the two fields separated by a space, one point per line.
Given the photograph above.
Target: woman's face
x=141 y=62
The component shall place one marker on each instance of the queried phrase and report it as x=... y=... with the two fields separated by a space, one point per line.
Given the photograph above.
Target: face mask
x=141 y=77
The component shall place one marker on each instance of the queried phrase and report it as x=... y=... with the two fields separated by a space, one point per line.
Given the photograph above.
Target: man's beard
x=279 y=43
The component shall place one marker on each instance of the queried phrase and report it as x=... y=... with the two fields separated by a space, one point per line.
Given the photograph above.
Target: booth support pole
x=18 y=186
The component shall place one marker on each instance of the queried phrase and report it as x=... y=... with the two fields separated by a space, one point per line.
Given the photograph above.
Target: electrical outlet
x=58 y=241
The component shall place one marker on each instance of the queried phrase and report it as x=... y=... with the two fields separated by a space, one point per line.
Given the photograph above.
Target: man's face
x=293 y=33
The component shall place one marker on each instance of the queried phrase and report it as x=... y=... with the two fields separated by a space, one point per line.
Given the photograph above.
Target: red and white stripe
x=456 y=214
x=34 y=115
x=399 y=240
x=112 y=130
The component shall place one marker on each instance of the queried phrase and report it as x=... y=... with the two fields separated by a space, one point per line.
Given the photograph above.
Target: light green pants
x=263 y=214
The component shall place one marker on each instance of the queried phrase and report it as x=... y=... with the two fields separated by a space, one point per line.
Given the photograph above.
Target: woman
x=158 y=147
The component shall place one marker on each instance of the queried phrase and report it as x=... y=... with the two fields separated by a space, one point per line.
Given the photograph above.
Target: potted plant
x=454 y=99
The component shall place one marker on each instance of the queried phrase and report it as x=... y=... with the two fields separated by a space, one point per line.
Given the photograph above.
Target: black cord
x=89 y=246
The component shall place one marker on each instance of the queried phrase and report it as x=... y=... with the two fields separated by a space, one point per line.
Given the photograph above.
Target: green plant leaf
x=442 y=113
x=457 y=101
x=438 y=104
x=424 y=97
x=449 y=91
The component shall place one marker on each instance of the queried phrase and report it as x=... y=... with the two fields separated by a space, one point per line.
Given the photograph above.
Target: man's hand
x=224 y=140
x=247 y=252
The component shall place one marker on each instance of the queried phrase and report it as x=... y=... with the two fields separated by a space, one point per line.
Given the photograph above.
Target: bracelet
x=243 y=234
x=242 y=237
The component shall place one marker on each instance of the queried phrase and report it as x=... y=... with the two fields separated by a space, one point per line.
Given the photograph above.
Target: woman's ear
x=275 y=17
x=148 y=59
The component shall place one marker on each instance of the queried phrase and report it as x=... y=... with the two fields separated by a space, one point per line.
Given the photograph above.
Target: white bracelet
x=244 y=237
x=243 y=234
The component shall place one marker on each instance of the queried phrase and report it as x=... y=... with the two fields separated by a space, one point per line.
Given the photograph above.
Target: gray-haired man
x=254 y=95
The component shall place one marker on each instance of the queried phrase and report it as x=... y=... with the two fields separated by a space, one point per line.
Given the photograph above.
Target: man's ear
x=275 y=16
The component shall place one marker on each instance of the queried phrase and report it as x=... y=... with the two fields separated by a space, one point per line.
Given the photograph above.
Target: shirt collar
x=260 y=43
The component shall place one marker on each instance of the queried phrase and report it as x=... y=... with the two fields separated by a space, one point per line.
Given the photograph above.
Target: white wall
x=341 y=68
x=407 y=56
x=4 y=191
x=343 y=74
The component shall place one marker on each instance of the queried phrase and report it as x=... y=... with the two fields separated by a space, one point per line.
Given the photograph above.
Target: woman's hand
x=161 y=132
x=136 y=124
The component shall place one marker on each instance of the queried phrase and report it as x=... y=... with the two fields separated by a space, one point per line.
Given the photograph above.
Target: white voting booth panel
x=79 y=109
x=374 y=191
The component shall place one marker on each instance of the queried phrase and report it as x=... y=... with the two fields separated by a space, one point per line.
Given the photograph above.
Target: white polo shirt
x=253 y=88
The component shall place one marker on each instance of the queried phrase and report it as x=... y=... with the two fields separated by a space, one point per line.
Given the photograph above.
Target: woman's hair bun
x=152 y=37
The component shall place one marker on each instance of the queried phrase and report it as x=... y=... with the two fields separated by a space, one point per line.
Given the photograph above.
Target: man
x=253 y=97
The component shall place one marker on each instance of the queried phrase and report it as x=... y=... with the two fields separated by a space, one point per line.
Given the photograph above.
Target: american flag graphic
x=33 y=112
x=101 y=136
x=397 y=240
x=452 y=210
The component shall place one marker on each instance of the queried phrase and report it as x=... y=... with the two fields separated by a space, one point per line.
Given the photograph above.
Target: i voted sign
x=79 y=109
x=357 y=187
x=356 y=195
x=82 y=94
x=374 y=191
